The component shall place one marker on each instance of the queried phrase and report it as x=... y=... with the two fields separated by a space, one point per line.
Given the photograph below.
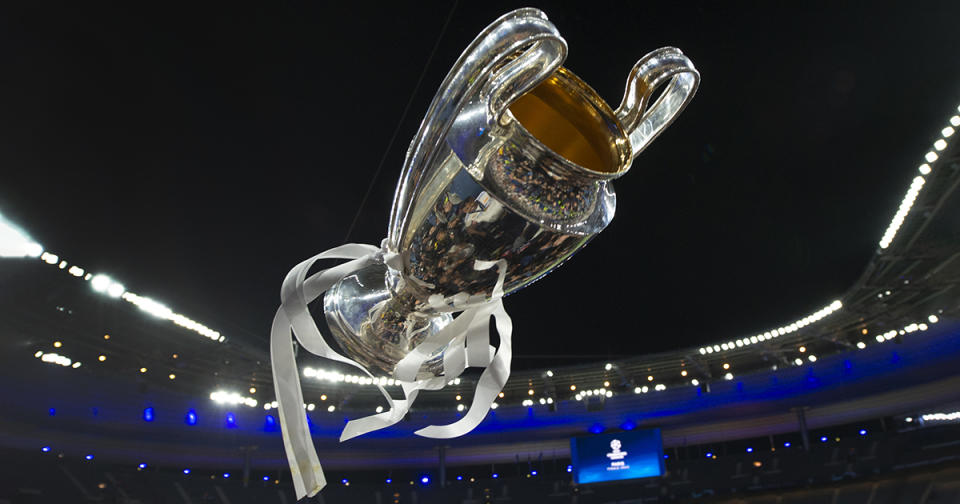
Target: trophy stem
x=377 y=326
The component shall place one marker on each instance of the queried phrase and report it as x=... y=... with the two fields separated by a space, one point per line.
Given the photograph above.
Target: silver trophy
x=512 y=166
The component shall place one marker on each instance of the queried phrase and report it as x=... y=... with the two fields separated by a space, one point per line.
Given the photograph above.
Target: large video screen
x=612 y=457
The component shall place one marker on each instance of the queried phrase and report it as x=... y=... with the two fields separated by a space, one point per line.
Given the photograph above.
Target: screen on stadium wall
x=620 y=456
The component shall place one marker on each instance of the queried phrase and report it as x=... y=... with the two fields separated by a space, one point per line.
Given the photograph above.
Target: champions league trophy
x=509 y=175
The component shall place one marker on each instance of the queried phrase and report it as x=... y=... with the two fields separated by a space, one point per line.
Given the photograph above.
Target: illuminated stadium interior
x=782 y=307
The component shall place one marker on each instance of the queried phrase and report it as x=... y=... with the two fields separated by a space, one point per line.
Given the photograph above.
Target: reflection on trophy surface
x=512 y=168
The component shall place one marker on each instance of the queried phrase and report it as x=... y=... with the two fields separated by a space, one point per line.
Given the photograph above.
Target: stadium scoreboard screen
x=621 y=456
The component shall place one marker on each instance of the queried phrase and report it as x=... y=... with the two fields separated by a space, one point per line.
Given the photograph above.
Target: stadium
x=772 y=316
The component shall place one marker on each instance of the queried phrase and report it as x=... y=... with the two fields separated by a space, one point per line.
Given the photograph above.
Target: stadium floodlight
x=15 y=242
x=100 y=283
x=232 y=398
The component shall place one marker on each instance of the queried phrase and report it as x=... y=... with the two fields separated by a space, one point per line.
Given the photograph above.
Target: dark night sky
x=198 y=155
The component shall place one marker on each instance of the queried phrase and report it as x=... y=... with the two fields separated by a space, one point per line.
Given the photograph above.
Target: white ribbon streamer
x=465 y=342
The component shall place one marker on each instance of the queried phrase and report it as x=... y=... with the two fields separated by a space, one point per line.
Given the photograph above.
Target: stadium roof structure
x=202 y=248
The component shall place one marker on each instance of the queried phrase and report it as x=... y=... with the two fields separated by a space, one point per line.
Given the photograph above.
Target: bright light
x=940 y=144
x=380 y=409
x=233 y=398
x=14 y=242
x=88 y=457
x=53 y=358
x=749 y=449
x=931 y=156
x=798 y=362
x=728 y=376
x=695 y=382
x=861 y=345
x=45 y=449
x=802 y=349
x=863 y=432
x=311 y=407
x=57 y=344
x=933 y=319
x=941 y=417
x=608 y=367
x=331 y=408
x=160 y=310
x=186 y=471
x=812 y=358
x=100 y=283
x=425 y=480
x=143 y=370
x=102 y=358
x=550 y=373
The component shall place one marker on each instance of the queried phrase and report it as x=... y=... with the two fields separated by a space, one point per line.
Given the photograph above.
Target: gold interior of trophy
x=567 y=116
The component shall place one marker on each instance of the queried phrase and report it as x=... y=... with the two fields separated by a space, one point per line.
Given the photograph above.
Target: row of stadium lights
x=62 y=360
x=775 y=333
x=105 y=285
x=906 y=204
x=925 y=169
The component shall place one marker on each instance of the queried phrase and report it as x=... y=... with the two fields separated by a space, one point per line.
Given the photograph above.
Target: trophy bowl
x=512 y=166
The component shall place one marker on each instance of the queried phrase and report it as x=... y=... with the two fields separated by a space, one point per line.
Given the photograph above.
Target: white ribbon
x=465 y=342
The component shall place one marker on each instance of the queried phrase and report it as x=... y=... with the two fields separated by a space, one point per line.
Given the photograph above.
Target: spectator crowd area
x=881 y=462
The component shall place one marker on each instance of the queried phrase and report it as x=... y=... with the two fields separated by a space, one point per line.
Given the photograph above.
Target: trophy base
x=377 y=328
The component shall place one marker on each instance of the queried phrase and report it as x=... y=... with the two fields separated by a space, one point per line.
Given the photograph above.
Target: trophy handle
x=659 y=67
x=484 y=71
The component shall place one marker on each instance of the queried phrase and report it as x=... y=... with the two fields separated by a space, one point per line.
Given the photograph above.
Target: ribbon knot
x=465 y=343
